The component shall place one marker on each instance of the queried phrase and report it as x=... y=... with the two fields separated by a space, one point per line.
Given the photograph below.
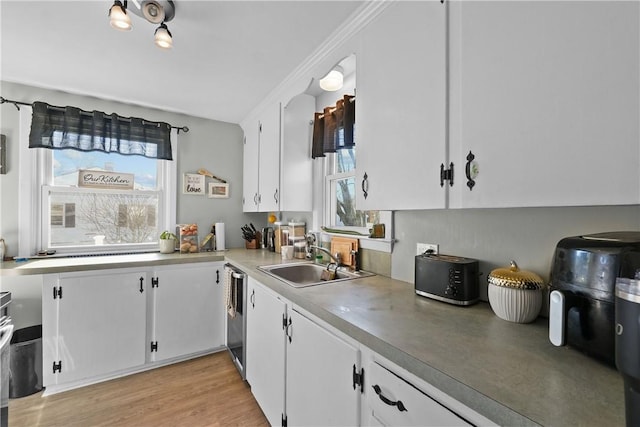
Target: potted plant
x=167 y=242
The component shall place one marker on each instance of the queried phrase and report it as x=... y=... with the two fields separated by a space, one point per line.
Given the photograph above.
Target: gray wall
x=496 y=236
x=216 y=146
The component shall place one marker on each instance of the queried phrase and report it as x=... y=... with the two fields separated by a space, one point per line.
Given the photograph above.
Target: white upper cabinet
x=250 y=161
x=269 y=169
x=400 y=113
x=261 y=162
x=546 y=96
x=296 y=165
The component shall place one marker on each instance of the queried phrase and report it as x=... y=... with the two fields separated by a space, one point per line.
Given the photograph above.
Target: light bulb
x=333 y=80
x=118 y=17
x=163 y=37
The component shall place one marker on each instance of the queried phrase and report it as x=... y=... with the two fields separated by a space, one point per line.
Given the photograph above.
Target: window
x=74 y=219
x=340 y=201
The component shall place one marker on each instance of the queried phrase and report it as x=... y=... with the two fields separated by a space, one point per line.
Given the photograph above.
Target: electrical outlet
x=423 y=247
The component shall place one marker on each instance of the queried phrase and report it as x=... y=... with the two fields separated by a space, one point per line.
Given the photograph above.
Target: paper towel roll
x=220 y=236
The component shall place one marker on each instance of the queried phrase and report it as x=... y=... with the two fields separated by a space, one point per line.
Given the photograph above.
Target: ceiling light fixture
x=333 y=80
x=118 y=17
x=163 y=37
x=153 y=11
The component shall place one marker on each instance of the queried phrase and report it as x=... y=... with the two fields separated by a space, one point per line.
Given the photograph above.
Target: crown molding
x=349 y=28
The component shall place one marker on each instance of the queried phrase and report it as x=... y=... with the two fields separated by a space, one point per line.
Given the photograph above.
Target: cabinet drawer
x=394 y=401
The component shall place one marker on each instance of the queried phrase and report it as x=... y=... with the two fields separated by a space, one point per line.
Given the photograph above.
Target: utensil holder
x=253 y=244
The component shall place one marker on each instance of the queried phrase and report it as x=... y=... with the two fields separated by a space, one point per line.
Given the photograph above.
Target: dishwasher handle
x=5 y=335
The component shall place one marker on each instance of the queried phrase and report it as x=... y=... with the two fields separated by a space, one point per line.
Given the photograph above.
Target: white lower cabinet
x=395 y=397
x=265 y=365
x=304 y=372
x=101 y=324
x=320 y=386
x=394 y=401
x=186 y=310
x=300 y=373
x=92 y=324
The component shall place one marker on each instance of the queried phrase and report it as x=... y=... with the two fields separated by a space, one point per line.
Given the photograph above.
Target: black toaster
x=447 y=278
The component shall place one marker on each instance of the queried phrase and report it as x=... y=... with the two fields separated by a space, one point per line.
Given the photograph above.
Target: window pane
x=345 y=160
x=122 y=218
x=66 y=164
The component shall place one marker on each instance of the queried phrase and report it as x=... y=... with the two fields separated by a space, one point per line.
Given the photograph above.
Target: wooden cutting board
x=344 y=246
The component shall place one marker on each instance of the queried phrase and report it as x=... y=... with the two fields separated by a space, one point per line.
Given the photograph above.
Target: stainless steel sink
x=302 y=274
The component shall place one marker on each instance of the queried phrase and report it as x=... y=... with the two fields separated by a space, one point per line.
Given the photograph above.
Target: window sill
x=366 y=242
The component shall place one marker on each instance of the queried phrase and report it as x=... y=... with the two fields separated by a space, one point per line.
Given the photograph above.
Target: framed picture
x=218 y=190
x=193 y=184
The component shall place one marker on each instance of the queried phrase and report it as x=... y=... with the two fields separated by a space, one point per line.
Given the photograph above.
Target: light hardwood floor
x=207 y=391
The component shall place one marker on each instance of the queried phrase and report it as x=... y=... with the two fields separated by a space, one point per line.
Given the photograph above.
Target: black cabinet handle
x=470 y=181
x=365 y=185
x=253 y=298
x=217 y=276
x=141 y=282
x=275 y=195
x=389 y=402
x=287 y=330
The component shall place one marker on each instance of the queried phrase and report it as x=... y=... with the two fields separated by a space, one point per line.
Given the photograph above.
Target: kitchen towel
x=220 y=236
x=230 y=295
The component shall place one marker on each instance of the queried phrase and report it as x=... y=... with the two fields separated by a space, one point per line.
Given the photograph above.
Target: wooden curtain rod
x=18 y=103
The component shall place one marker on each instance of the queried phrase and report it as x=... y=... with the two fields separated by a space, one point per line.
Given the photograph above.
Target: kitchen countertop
x=508 y=372
x=50 y=265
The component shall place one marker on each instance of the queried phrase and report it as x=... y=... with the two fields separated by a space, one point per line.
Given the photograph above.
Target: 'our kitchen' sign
x=104 y=179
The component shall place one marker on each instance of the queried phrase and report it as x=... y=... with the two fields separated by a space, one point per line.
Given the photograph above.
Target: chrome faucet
x=337 y=258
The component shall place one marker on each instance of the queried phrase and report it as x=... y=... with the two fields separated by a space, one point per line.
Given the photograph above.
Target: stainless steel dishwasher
x=235 y=283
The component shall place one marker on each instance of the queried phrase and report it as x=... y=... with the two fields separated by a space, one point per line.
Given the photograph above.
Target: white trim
x=348 y=29
x=28 y=193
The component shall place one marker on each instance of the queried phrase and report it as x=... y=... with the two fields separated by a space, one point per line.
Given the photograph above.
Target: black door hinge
x=284 y=421
x=154 y=282
x=57 y=366
x=217 y=276
x=446 y=174
x=57 y=292
x=358 y=378
x=154 y=346
x=284 y=321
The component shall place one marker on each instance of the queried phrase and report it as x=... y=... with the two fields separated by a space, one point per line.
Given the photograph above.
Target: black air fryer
x=582 y=299
x=628 y=344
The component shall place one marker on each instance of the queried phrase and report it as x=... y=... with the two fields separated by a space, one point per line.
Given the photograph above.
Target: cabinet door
x=296 y=176
x=545 y=95
x=250 y=169
x=269 y=169
x=265 y=365
x=188 y=310
x=101 y=322
x=320 y=388
x=400 y=114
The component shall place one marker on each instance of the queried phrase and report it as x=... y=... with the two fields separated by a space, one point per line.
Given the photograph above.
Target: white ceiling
x=227 y=55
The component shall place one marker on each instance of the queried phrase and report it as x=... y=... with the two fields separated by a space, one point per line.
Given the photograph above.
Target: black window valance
x=72 y=128
x=326 y=126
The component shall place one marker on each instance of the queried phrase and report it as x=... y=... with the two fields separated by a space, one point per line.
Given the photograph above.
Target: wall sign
x=104 y=179
x=218 y=190
x=193 y=184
